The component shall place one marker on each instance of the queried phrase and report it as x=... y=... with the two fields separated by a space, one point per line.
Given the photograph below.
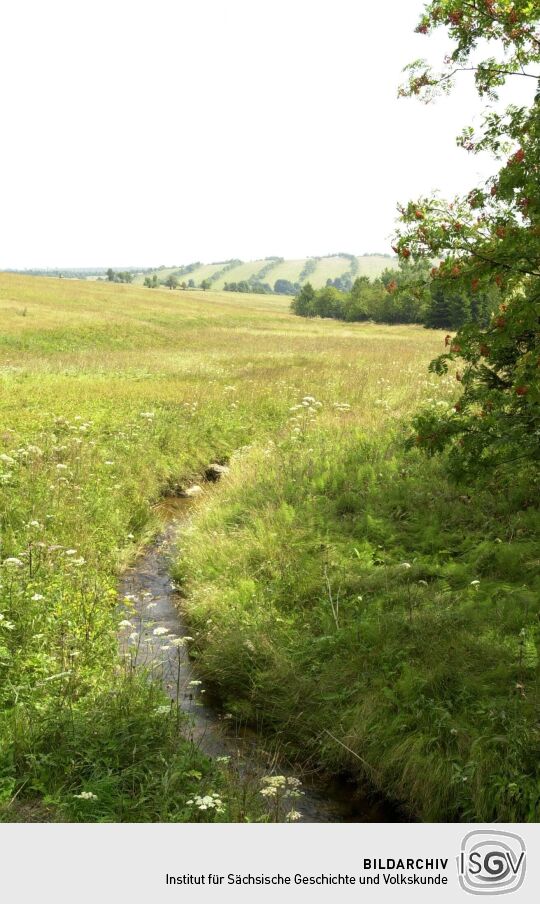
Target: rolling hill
x=268 y=270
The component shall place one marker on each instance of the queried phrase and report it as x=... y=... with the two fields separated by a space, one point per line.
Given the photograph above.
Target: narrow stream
x=154 y=604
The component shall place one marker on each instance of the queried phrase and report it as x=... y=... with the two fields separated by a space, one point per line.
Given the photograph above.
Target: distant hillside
x=266 y=272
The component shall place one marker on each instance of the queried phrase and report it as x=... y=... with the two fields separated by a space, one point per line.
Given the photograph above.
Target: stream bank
x=156 y=642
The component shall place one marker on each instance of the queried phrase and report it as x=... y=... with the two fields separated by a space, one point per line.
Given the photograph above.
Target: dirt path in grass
x=156 y=605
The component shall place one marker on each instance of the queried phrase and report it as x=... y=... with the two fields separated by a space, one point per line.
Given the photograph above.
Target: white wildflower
x=158 y=632
x=293 y=816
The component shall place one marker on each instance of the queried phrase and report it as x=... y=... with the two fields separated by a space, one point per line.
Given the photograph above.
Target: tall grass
x=379 y=619
x=343 y=593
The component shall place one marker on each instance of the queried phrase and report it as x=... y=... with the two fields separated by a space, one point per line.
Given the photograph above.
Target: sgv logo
x=491 y=863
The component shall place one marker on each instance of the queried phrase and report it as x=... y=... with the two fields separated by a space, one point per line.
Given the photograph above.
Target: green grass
x=377 y=618
x=110 y=394
x=419 y=679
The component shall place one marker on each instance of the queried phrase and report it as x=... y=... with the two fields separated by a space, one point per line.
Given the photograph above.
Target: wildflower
x=207 y=802
x=36 y=597
x=151 y=606
x=7 y=459
x=134 y=636
x=12 y=560
x=71 y=552
x=158 y=632
x=282 y=786
x=163 y=710
x=194 y=683
x=125 y=624
x=405 y=565
x=34 y=524
x=61 y=467
x=130 y=536
x=475 y=583
x=293 y=816
x=86 y=795
x=270 y=791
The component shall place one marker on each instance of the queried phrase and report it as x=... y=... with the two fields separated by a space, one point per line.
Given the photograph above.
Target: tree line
x=406 y=295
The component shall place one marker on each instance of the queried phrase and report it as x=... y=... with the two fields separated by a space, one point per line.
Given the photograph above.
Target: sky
x=169 y=131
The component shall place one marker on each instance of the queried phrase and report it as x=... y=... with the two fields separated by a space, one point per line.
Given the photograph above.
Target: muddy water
x=156 y=605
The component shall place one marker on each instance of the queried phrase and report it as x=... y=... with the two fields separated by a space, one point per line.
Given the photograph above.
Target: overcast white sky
x=165 y=131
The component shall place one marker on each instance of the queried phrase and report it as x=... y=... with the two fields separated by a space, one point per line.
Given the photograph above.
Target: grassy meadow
x=342 y=593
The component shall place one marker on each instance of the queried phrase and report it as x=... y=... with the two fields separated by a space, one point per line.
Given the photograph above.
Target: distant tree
x=205 y=284
x=303 y=303
x=191 y=284
x=171 y=282
x=183 y=285
x=342 y=283
x=309 y=267
x=285 y=287
x=110 y=274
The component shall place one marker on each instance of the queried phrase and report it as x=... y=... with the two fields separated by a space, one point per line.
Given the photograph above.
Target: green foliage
x=489 y=242
x=342 y=586
x=245 y=286
x=124 y=276
x=397 y=297
x=309 y=267
x=285 y=287
x=171 y=282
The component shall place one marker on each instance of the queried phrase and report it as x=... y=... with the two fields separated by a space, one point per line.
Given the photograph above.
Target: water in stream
x=156 y=605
